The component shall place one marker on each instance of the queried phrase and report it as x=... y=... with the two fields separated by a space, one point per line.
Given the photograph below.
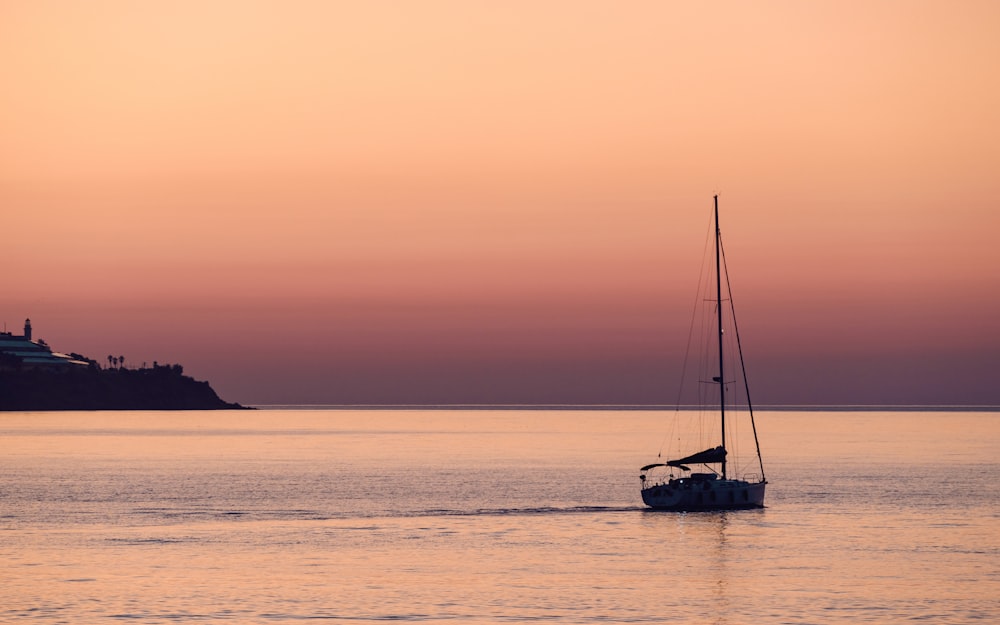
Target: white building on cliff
x=21 y=352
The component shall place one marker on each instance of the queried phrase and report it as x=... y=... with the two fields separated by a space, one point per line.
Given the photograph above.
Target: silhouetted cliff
x=92 y=388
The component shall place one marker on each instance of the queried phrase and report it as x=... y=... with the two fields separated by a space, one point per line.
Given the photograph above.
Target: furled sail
x=716 y=455
x=709 y=456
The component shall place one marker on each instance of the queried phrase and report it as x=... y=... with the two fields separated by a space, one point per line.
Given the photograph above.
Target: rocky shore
x=162 y=387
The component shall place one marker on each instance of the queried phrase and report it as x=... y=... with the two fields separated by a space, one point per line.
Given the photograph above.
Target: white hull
x=688 y=494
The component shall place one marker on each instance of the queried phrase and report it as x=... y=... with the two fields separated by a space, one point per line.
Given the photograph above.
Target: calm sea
x=279 y=516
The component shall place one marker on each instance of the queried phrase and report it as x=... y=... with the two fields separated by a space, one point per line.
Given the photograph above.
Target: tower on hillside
x=27 y=329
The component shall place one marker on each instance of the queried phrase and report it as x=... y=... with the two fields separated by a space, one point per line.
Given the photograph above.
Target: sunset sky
x=506 y=202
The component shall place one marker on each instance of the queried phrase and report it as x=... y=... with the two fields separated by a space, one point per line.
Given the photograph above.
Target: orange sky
x=481 y=201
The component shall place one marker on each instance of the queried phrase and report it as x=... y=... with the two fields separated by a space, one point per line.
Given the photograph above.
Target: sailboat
x=713 y=484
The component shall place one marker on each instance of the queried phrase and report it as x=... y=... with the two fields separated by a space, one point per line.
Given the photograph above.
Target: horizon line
x=637 y=407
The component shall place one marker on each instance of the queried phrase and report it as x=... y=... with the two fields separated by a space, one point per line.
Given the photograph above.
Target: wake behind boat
x=673 y=485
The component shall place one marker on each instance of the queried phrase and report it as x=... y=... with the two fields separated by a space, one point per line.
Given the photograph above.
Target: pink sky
x=388 y=202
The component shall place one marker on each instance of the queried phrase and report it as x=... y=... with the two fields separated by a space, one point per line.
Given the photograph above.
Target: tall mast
x=718 y=296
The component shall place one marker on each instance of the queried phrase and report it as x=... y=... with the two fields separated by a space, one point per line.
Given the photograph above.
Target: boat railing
x=656 y=478
x=666 y=479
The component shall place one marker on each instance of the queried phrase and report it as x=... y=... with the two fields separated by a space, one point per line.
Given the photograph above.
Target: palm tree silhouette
x=110 y=361
x=121 y=361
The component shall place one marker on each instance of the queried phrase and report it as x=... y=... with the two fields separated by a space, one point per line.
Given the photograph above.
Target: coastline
x=633 y=407
x=91 y=388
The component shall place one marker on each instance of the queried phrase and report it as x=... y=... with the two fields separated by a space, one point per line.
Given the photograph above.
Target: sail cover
x=716 y=454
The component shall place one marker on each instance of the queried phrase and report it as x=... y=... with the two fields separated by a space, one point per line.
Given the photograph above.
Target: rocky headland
x=33 y=377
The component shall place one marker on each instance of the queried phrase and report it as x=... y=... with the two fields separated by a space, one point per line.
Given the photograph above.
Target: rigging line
x=739 y=347
x=687 y=347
